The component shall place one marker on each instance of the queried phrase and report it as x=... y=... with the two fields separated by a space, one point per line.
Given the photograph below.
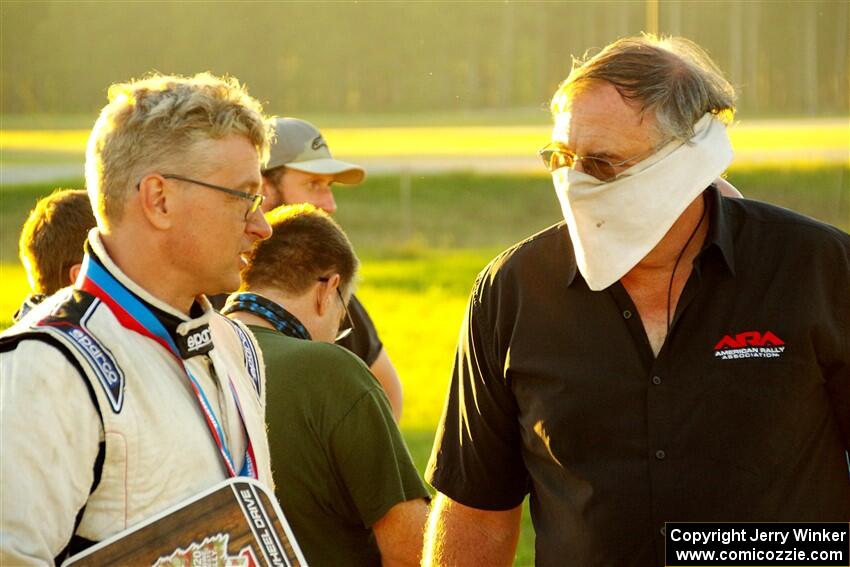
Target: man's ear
x=272 y=193
x=154 y=198
x=326 y=293
x=74 y=271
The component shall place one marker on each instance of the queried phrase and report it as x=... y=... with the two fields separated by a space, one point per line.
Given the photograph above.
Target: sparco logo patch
x=100 y=361
x=749 y=344
x=251 y=360
x=197 y=341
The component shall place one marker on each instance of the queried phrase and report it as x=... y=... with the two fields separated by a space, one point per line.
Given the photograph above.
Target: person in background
x=51 y=244
x=664 y=354
x=340 y=464
x=127 y=394
x=301 y=169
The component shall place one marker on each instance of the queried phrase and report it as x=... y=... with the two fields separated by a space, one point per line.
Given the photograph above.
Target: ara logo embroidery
x=749 y=344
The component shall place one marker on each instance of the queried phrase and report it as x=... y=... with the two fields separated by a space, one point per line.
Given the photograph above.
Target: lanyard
x=278 y=317
x=134 y=315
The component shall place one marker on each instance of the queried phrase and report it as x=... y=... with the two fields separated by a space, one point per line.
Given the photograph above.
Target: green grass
x=418 y=265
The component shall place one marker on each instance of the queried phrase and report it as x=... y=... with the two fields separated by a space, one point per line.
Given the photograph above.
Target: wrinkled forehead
x=599 y=113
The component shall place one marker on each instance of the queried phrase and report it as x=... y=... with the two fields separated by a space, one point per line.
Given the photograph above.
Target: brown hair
x=275 y=174
x=52 y=238
x=670 y=76
x=156 y=123
x=305 y=244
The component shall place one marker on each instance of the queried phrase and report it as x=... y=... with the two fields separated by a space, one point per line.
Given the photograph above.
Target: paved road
x=34 y=173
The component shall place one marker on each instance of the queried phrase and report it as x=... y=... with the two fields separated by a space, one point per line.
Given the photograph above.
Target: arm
x=464 y=536
x=386 y=374
x=376 y=470
x=399 y=533
x=49 y=435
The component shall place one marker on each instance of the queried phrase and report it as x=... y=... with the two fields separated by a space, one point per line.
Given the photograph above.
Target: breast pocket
x=762 y=411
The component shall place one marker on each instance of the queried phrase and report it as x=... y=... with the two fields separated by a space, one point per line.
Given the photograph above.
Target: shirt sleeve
x=50 y=433
x=363 y=340
x=372 y=459
x=477 y=454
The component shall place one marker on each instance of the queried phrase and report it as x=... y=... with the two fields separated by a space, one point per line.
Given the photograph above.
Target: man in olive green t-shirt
x=344 y=477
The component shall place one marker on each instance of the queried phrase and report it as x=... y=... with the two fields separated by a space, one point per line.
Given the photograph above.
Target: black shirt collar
x=719 y=228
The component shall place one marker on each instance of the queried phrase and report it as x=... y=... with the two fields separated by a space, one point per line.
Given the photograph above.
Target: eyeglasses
x=345 y=332
x=555 y=156
x=256 y=199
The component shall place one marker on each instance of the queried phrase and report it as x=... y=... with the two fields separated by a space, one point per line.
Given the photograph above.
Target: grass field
x=418 y=266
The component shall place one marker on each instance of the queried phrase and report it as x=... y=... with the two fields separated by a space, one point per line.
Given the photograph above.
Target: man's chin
x=223 y=287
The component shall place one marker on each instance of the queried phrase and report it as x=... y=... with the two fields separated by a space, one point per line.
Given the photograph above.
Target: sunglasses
x=555 y=156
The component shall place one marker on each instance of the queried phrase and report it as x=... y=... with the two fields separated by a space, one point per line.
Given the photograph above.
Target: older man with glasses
x=127 y=393
x=345 y=477
x=664 y=354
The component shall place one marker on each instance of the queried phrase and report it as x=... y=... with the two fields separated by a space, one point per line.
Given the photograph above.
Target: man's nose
x=326 y=201
x=258 y=226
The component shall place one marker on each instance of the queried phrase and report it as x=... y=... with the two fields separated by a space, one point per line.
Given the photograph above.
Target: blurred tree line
x=787 y=58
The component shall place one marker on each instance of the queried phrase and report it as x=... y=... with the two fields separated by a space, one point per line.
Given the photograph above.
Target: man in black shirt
x=301 y=169
x=665 y=354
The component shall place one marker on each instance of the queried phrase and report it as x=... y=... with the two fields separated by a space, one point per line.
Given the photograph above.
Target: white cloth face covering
x=614 y=225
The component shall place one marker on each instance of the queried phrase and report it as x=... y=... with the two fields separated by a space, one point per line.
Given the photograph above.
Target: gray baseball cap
x=299 y=145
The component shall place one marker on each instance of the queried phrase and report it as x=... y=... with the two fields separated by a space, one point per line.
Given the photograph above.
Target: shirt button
x=659 y=454
x=656 y=380
x=627 y=314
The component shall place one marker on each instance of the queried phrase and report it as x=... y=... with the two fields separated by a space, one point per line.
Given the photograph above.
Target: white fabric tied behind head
x=614 y=225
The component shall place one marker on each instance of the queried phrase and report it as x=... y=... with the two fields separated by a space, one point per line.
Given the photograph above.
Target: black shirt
x=744 y=415
x=363 y=340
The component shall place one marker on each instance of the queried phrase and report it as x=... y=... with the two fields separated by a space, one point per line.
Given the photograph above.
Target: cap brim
x=343 y=172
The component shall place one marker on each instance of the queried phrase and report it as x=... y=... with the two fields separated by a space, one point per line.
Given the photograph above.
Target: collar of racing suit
x=190 y=333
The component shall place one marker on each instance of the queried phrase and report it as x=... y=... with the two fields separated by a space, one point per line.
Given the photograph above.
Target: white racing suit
x=99 y=426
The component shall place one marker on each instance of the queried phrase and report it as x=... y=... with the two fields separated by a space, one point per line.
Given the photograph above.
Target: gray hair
x=157 y=123
x=672 y=77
